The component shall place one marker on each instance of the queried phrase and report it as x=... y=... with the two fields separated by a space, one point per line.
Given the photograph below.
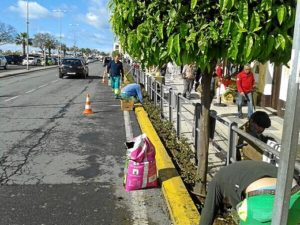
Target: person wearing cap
x=255 y=126
x=245 y=83
x=133 y=90
x=249 y=186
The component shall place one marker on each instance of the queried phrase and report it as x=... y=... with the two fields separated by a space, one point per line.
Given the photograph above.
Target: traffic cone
x=87 y=109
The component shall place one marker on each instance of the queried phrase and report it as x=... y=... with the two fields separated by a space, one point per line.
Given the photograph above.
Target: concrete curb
x=181 y=207
x=19 y=72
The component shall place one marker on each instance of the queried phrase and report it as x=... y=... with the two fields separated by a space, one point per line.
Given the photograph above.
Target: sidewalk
x=229 y=114
x=9 y=73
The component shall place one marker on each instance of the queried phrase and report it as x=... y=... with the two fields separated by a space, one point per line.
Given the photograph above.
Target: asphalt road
x=58 y=166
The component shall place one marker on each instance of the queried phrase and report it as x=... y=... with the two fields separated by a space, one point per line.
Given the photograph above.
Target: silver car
x=3 y=62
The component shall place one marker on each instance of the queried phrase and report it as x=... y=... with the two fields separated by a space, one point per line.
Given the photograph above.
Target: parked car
x=73 y=67
x=3 y=62
x=14 y=59
x=90 y=60
x=50 y=61
x=32 y=61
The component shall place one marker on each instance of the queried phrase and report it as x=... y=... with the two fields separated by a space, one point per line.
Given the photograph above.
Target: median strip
x=182 y=209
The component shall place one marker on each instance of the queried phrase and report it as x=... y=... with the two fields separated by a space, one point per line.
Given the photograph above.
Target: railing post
x=178 y=114
x=149 y=87
x=155 y=92
x=212 y=121
x=231 y=154
x=170 y=106
x=162 y=100
x=137 y=75
x=197 y=114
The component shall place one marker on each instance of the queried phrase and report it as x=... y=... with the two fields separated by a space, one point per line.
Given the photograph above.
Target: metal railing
x=185 y=116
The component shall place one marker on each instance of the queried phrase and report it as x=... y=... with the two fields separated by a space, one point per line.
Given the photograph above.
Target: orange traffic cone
x=87 y=109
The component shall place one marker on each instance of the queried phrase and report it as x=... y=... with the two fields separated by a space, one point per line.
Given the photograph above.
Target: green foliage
x=156 y=32
x=179 y=150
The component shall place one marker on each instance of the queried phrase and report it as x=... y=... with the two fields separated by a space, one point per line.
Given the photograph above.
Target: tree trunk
x=206 y=99
x=24 y=45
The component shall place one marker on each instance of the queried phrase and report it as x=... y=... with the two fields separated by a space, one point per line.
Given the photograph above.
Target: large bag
x=140 y=166
x=140 y=175
x=140 y=148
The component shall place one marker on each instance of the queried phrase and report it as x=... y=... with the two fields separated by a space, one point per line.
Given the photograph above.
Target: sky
x=84 y=22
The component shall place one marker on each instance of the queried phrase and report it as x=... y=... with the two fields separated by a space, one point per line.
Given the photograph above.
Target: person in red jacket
x=245 y=84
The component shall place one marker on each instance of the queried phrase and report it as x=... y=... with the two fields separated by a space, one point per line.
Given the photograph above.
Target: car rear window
x=71 y=62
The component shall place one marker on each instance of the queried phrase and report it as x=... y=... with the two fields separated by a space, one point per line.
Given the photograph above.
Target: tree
x=185 y=31
x=42 y=41
x=7 y=34
x=21 y=39
x=51 y=43
x=64 y=48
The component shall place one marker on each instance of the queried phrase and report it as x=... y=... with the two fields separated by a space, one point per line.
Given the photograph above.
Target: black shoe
x=241 y=116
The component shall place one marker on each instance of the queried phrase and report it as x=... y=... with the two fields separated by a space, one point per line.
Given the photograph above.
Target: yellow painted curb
x=182 y=209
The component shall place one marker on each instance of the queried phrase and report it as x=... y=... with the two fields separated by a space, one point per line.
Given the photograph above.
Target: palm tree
x=50 y=44
x=21 y=40
x=64 y=49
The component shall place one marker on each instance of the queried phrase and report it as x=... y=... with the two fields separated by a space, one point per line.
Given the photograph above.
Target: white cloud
x=36 y=10
x=97 y=15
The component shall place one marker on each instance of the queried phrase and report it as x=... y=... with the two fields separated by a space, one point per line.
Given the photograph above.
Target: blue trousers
x=249 y=99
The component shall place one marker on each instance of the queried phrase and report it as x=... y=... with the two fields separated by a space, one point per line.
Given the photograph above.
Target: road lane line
x=139 y=211
x=11 y=98
x=32 y=90
x=54 y=81
x=44 y=85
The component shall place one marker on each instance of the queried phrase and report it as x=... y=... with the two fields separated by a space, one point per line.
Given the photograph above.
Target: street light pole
x=27 y=38
x=74 y=36
x=60 y=11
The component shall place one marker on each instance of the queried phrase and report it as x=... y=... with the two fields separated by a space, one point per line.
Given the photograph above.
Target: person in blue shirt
x=133 y=90
x=116 y=72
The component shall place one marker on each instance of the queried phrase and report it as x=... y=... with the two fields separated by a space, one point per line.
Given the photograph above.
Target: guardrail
x=183 y=112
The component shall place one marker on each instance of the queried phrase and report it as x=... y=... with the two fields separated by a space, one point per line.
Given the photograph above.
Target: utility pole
x=60 y=14
x=74 y=33
x=290 y=133
x=27 y=39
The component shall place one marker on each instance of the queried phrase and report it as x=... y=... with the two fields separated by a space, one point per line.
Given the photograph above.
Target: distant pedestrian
x=188 y=80
x=245 y=84
x=163 y=70
x=115 y=69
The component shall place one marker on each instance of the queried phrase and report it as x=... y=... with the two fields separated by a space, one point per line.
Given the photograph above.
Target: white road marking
x=44 y=85
x=138 y=205
x=32 y=90
x=54 y=81
x=11 y=98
